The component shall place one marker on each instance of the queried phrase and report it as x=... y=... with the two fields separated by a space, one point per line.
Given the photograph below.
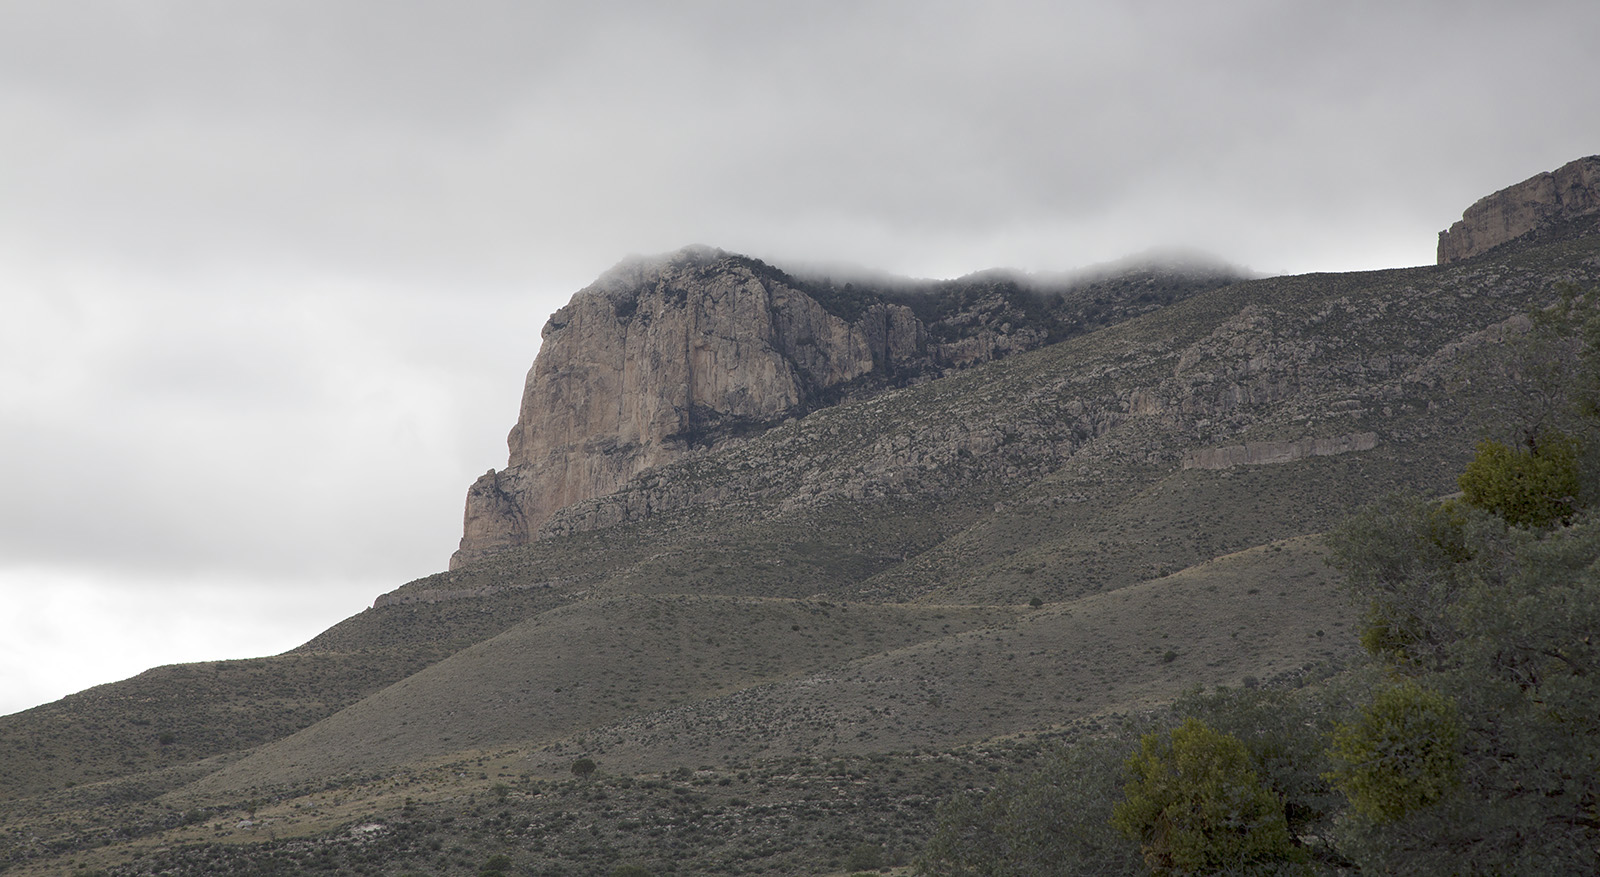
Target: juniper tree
x=1491 y=630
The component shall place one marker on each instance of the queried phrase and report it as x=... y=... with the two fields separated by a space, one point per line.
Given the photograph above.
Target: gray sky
x=271 y=273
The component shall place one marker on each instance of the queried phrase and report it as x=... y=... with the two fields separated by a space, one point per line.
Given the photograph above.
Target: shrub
x=1402 y=754
x=1194 y=804
x=1536 y=487
x=864 y=857
x=1052 y=822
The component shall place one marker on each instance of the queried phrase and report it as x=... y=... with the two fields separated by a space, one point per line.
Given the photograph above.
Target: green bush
x=1195 y=804
x=1485 y=761
x=1533 y=487
x=1402 y=754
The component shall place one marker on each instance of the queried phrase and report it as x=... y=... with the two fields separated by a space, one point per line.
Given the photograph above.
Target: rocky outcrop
x=661 y=357
x=1267 y=453
x=1568 y=193
x=1304 y=357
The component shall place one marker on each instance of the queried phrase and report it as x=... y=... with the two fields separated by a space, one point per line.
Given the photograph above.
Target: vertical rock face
x=1569 y=192
x=662 y=356
x=658 y=357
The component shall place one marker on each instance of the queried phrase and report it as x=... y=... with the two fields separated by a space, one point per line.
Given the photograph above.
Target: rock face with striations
x=663 y=356
x=658 y=357
x=1570 y=192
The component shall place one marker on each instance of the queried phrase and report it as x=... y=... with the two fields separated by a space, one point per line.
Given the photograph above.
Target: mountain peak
x=666 y=354
x=1545 y=201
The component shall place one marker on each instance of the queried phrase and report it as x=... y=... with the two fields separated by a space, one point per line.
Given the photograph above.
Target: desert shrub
x=1409 y=560
x=1195 y=805
x=1483 y=757
x=1402 y=754
x=1052 y=822
x=1536 y=486
x=864 y=857
x=1286 y=735
x=583 y=767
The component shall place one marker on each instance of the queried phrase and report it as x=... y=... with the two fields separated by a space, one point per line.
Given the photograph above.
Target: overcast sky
x=271 y=273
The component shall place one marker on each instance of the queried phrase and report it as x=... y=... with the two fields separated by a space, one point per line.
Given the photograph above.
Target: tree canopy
x=1196 y=805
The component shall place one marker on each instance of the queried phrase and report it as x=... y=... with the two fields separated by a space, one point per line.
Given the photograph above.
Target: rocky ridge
x=661 y=357
x=1287 y=375
x=1570 y=192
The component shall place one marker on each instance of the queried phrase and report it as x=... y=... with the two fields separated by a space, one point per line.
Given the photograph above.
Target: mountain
x=660 y=357
x=792 y=555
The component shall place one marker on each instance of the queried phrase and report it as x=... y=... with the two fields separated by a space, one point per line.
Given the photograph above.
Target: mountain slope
x=853 y=579
x=1053 y=474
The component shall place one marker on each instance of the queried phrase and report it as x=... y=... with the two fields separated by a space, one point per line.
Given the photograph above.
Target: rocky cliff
x=1569 y=193
x=657 y=357
x=663 y=356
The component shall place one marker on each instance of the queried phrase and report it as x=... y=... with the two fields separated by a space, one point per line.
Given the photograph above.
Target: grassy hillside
x=589 y=665
x=657 y=683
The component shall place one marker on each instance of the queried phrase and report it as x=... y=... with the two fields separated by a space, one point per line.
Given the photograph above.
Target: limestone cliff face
x=1269 y=453
x=661 y=357
x=1570 y=192
x=658 y=357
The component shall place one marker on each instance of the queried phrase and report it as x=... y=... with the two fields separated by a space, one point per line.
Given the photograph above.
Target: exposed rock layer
x=1567 y=193
x=656 y=358
x=1267 y=453
x=660 y=357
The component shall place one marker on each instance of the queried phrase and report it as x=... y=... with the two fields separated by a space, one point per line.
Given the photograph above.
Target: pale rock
x=1269 y=453
x=1569 y=192
x=658 y=357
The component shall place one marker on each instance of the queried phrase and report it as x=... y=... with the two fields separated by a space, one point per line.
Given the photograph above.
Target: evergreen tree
x=1484 y=756
x=1196 y=805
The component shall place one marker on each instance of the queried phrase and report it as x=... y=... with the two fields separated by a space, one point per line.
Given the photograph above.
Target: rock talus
x=1567 y=193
